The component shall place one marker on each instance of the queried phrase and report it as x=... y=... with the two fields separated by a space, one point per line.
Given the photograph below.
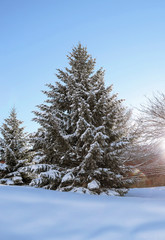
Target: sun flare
x=162 y=146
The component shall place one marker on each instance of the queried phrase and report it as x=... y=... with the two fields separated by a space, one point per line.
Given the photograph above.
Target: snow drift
x=29 y=213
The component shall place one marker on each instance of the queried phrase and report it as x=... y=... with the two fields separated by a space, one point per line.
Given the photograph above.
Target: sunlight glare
x=162 y=146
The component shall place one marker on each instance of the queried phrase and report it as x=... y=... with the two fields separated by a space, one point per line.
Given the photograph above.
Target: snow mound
x=67 y=177
x=3 y=166
x=30 y=213
x=93 y=185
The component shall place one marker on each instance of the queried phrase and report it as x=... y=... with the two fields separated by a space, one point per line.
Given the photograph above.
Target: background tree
x=13 y=146
x=153 y=117
x=148 y=153
x=84 y=130
x=152 y=126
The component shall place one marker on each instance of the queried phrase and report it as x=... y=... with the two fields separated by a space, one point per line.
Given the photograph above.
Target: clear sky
x=127 y=38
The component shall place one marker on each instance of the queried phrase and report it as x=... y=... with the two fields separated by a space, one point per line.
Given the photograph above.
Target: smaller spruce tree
x=13 y=145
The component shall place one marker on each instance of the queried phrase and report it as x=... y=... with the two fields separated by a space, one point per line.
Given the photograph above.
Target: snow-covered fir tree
x=13 y=150
x=84 y=132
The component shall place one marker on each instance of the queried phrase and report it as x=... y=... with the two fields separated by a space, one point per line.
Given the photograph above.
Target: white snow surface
x=67 y=177
x=29 y=213
x=3 y=166
x=93 y=185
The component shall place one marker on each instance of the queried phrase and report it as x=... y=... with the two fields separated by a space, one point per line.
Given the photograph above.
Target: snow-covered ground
x=38 y=214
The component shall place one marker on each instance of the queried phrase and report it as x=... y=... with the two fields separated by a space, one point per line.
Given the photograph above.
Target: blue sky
x=126 y=37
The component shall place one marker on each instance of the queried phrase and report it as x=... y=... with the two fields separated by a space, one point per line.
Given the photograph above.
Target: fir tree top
x=11 y=128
